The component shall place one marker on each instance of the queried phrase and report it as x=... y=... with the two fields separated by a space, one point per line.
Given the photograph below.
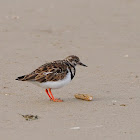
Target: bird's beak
x=82 y=64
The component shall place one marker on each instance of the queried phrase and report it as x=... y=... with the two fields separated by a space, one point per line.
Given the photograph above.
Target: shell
x=86 y=97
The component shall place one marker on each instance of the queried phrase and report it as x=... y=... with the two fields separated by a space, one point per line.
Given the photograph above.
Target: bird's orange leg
x=52 y=97
x=48 y=94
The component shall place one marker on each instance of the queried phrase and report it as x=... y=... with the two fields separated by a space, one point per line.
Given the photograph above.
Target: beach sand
x=105 y=35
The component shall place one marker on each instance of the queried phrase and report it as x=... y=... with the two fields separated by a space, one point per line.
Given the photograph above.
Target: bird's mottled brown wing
x=48 y=72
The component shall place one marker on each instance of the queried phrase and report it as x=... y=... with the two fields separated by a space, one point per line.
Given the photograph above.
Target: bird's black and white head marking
x=74 y=60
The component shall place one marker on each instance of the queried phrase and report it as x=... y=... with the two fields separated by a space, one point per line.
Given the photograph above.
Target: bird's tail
x=20 y=78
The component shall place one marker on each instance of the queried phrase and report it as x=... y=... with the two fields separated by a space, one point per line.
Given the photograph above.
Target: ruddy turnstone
x=53 y=75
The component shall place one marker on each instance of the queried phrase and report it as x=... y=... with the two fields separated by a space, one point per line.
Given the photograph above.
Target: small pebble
x=126 y=55
x=114 y=102
x=122 y=105
x=75 y=128
x=99 y=126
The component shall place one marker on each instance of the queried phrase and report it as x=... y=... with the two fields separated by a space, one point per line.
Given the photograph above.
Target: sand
x=105 y=35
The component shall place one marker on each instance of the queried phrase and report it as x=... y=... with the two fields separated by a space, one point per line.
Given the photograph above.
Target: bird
x=53 y=75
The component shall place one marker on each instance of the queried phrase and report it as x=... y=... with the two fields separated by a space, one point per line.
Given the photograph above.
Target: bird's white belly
x=55 y=84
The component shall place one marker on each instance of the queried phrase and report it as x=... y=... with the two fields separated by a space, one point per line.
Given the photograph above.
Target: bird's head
x=74 y=60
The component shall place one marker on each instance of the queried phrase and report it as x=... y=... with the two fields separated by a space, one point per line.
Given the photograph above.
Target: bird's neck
x=71 y=69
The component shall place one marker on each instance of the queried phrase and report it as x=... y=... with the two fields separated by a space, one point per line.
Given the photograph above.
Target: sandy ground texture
x=105 y=35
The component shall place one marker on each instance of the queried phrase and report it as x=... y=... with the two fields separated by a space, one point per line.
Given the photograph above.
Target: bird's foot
x=56 y=100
